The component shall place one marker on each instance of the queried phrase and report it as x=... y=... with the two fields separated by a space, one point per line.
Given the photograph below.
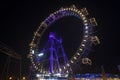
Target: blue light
x=40 y=54
x=86 y=27
x=33 y=51
x=37 y=75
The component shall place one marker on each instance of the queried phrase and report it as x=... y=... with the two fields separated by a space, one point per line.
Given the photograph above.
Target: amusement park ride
x=10 y=54
x=51 y=60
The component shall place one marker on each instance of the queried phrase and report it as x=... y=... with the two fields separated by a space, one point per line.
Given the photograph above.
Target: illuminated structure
x=88 y=76
x=87 y=39
x=51 y=57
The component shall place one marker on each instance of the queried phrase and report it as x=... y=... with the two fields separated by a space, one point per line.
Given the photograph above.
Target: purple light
x=86 y=27
x=52 y=35
x=51 y=61
x=60 y=40
x=51 y=49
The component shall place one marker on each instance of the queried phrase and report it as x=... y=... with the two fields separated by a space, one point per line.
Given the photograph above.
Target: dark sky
x=19 y=20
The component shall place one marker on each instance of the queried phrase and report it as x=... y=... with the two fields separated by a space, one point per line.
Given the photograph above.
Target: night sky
x=20 y=19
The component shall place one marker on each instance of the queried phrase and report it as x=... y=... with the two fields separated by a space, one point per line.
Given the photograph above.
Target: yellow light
x=23 y=78
x=10 y=78
x=84 y=40
x=78 y=53
x=86 y=36
x=75 y=58
x=80 y=49
x=67 y=8
x=82 y=15
x=71 y=9
x=71 y=61
x=85 y=21
x=64 y=67
x=86 y=24
x=74 y=9
x=83 y=45
x=37 y=68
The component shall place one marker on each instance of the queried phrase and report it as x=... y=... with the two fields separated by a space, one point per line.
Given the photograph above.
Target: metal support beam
x=93 y=22
x=11 y=54
x=95 y=40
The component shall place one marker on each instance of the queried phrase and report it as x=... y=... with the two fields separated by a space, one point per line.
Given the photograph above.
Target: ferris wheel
x=38 y=57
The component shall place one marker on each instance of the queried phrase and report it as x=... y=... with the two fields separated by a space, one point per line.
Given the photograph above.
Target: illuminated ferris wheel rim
x=72 y=11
